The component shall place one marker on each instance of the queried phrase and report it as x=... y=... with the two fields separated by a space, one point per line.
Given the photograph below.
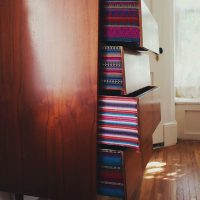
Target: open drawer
x=119 y=172
x=128 y=120
x=129 y=23
x=121 y=70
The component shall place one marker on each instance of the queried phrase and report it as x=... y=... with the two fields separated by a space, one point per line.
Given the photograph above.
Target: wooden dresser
x=48 y=101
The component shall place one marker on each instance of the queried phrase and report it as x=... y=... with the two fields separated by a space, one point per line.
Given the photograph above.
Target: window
x=187 y=48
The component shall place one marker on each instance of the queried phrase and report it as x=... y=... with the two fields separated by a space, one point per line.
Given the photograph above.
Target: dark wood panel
x=48 y=84
x=146 y=150
x=10 y=149
x=133 y=172
x=149 y=112
x=149 y=118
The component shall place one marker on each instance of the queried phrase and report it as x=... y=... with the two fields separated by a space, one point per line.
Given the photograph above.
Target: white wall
x=163 y=70
x=149 y=4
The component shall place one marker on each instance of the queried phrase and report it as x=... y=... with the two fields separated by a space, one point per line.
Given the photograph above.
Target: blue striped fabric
x=110 y=167
x=108 y=158
x=111 y=69
x=111 y=190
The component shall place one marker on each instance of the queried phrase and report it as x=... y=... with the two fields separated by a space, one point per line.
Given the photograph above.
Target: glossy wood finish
x=48 y=86
x=149 y=112
x=146 y=150
x=173 y=173
x=133 y=172
x=149 y=118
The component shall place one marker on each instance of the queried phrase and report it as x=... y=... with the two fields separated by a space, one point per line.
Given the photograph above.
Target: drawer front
x=121 y=70
x=129 y=23
x=110 y=181
x=118 y=121
x=122 y=178
x=128 y=121
x=133 y=172
x=149 y=113
x=146 y=151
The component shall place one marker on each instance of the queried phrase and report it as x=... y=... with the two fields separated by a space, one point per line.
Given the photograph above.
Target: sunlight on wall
x=48 y=40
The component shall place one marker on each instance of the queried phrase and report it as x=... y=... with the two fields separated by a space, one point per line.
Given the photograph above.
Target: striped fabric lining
x=110 y=173
x=112 y=190
x=109 y=158
x=118 y=121
x=110 y=68
x=121 y=21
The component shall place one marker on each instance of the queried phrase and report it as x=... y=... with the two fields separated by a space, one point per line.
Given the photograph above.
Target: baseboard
x=189 y=136
x=170 y=133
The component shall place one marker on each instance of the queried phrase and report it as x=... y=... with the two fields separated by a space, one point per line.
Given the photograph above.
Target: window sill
x=187 y=101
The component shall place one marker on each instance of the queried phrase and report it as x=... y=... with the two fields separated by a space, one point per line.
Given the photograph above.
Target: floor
x=173 y=173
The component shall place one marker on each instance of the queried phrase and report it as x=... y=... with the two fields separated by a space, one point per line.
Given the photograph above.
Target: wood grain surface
x=173 y=173
x=48 y=86
x=149 y=118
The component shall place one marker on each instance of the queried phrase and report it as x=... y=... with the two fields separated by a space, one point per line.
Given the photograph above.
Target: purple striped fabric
x=118 y=121
x=121 y=21
x=121 y=32
x=111 y=68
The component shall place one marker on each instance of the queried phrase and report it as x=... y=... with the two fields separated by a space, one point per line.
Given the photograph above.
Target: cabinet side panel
x=48 y=78
x=10 y=149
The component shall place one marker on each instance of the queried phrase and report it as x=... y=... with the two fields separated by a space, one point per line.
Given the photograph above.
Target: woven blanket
x=110 y=68
x=109 y=158
x=118 y=121
x=121 y=21
x=111 y=189
x=110 y=173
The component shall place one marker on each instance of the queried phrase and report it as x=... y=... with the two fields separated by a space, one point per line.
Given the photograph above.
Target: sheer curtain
x=187 y=48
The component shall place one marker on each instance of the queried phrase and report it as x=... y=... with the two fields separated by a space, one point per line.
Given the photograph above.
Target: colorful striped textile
x=111 y=68
x=110 y=174
x=121 y=21
x=111 y=189
x=110 y=158
x=118 y=121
